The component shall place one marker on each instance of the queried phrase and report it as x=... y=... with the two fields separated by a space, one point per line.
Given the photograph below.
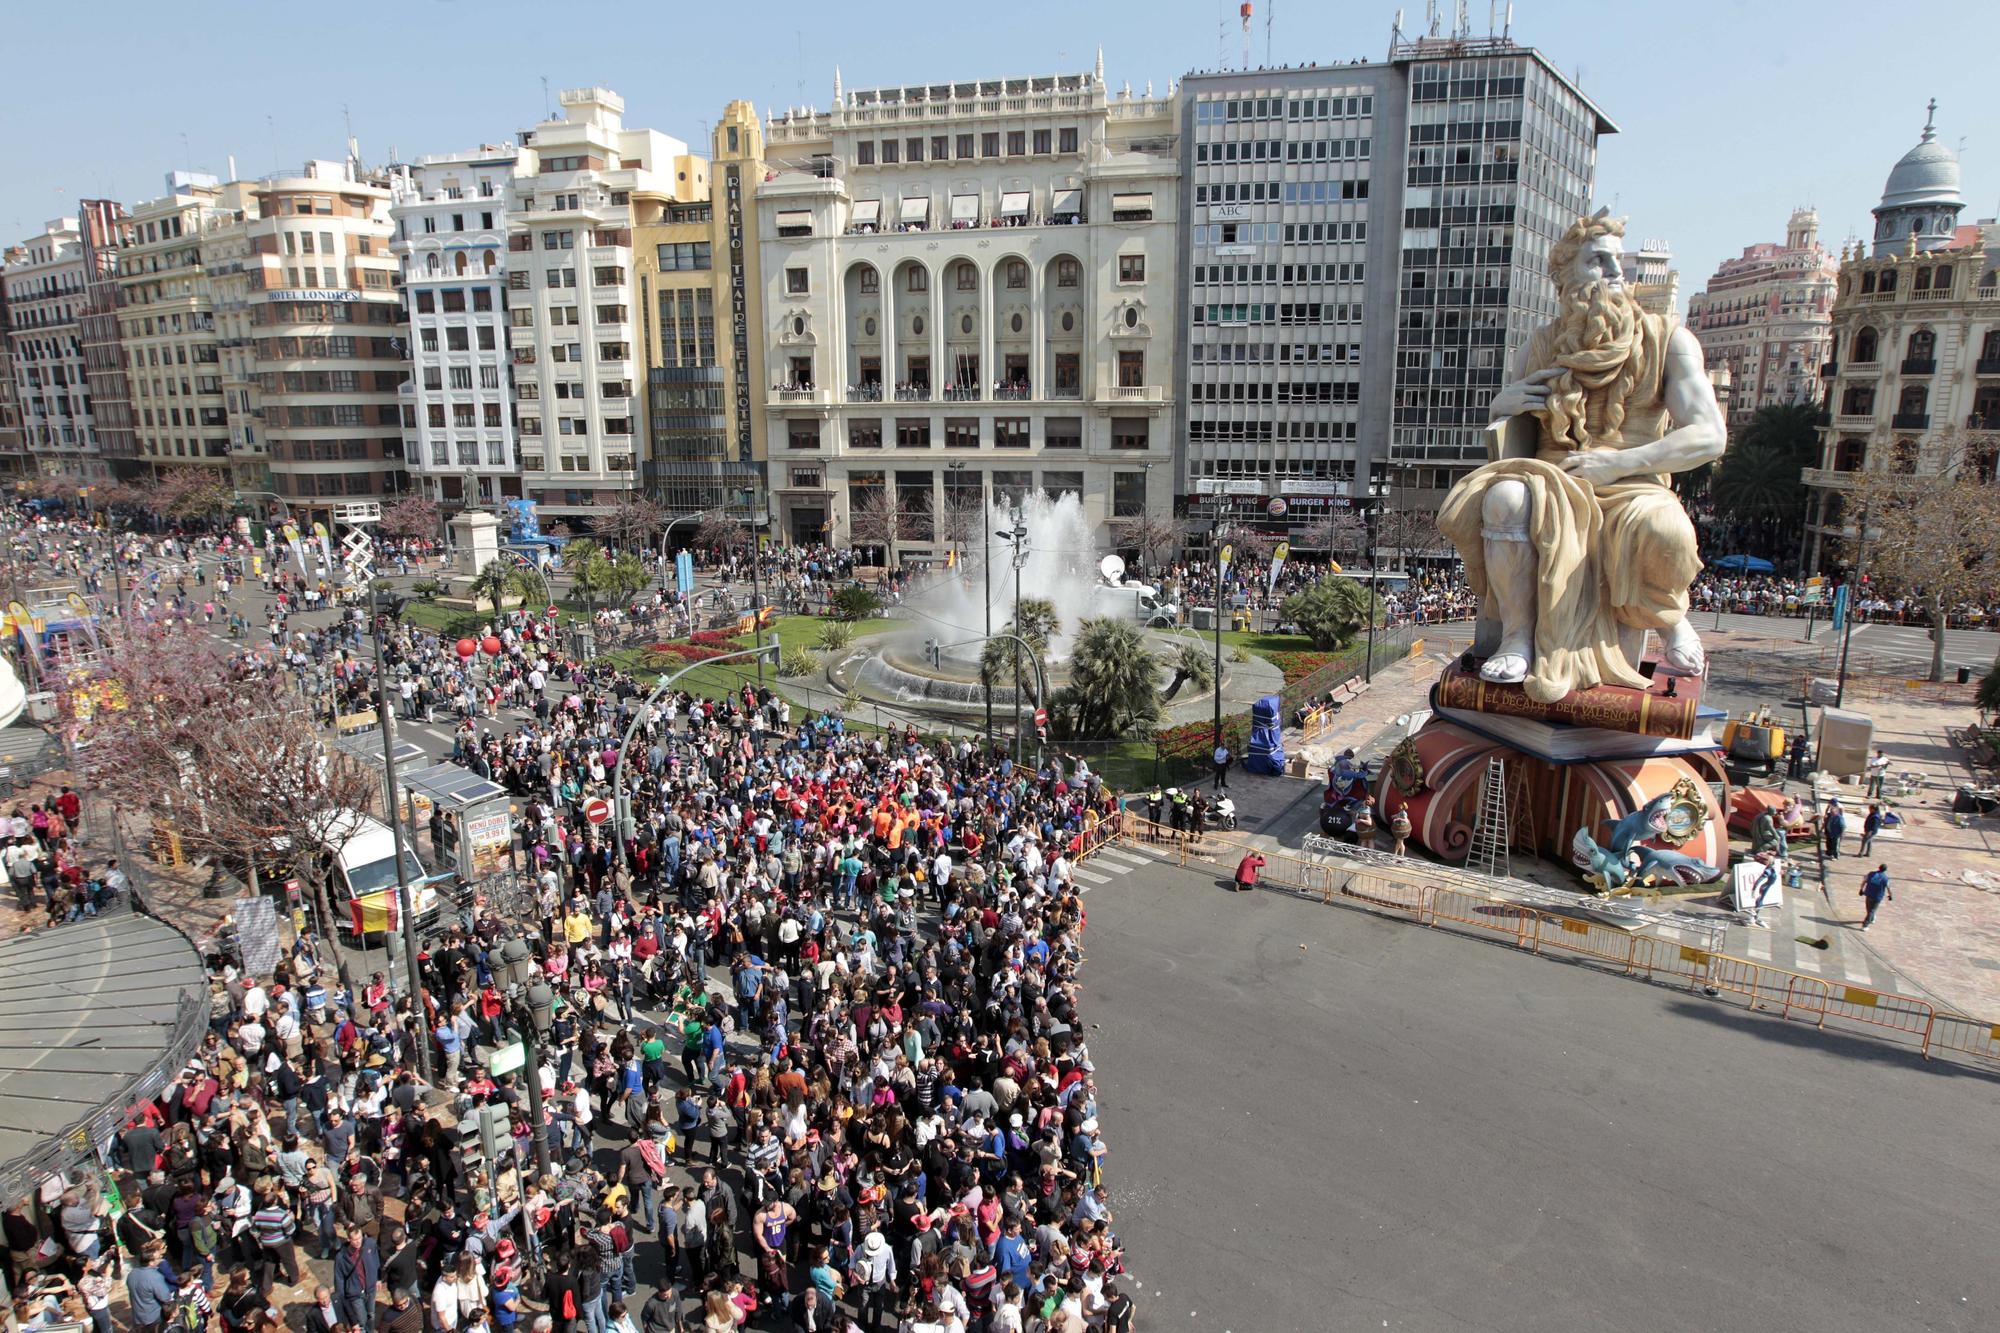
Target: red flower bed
x=687 y=652
x=724 y=637
x=1297 y=666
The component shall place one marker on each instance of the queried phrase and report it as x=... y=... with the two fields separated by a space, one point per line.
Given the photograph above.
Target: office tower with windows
x=1364 y=250
x=450 y=218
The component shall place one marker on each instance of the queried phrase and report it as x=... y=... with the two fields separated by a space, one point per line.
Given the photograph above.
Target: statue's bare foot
x=1681 y=652
x=1509 y=663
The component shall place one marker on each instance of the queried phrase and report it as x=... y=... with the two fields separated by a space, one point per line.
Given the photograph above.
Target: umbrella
x=1748 y=564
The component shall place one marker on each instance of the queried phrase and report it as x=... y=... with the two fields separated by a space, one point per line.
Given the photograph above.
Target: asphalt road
x=1395 y=1128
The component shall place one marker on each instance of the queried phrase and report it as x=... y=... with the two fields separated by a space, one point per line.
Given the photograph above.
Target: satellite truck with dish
x=1129 y=600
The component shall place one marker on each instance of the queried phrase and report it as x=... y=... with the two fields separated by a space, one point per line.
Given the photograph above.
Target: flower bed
x=686 y=652
x=1298 y=665
x=725 y=638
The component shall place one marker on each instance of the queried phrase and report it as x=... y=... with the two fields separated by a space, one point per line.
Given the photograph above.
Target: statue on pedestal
x=1572 y=537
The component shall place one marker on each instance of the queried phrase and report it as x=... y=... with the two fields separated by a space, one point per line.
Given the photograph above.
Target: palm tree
x=495 y=583
x=625 y=576
x=577 y=559
x=1192 y=663
x=1112 y=691
x=1037 y=622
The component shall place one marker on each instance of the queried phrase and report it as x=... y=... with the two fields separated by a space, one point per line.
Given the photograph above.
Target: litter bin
x=1964 y=675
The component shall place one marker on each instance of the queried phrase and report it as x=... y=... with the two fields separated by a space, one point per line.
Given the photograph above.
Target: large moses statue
x=1571 y=537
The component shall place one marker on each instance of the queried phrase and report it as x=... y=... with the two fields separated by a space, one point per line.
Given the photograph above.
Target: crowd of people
x=813 y=1058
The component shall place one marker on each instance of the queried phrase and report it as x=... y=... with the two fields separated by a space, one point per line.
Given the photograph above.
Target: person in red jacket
x=1246 y=870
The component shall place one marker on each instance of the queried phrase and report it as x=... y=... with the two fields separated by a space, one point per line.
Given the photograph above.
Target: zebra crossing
x=1787 y=942
x=1105 y=864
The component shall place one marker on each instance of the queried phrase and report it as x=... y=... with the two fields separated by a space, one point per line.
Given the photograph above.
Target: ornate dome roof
x=1926 y=175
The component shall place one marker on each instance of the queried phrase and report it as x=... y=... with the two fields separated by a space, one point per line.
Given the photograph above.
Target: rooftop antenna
x=1270 y=14
x=1243 y=10
x=1396 y=31
x=1461 y=25
x=187 y=152
x=271 y=122
x=1222 y=38
x=1431 y=12
x=1508 y=30
x=548 y=112
x=799 y=36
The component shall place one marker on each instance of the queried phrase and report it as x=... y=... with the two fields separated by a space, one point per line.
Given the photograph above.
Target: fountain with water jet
x=1063 y=567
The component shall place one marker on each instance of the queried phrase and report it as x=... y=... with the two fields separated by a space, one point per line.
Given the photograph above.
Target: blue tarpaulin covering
x=1267 y=738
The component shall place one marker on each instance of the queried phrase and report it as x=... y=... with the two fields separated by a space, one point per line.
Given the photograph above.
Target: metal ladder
x=1490 y=837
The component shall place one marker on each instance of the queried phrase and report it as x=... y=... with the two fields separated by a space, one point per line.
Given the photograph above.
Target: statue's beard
x=1597 y=344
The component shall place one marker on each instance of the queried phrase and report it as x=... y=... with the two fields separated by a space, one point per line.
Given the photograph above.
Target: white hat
x=1015 y=1120
x=1090 y=1125
x=875 y=1244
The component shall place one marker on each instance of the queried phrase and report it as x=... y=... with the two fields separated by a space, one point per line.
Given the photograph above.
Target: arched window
x=1921 y=351
x=1068 y=273
x=458 y=262
x=1864 y=346
x=490 y=259
x=871 y=281
x=1989 y=354
x=1912 y=404
x=1858 y=401
x=430 y=263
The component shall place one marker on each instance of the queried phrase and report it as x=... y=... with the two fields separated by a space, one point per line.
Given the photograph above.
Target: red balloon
x=492 y=645
x=467 y=647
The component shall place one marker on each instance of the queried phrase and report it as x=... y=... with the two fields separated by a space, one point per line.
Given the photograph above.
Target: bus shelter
x=470 y=819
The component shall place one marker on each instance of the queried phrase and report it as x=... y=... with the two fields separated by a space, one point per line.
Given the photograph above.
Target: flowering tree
x=411 y=517
x=631 y=523
x=186 y=493
x=164 y=723
x=1929 y=530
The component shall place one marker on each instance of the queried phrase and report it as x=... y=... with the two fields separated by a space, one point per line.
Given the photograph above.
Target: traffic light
x=495 y=1133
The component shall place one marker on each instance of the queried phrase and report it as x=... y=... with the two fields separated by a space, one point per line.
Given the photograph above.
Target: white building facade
x=450 y=218
x=569 y=275
x=46 y=278
x=967 y=292
x=1767 y=316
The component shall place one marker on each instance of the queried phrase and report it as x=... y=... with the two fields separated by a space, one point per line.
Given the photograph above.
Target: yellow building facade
x=695 y=282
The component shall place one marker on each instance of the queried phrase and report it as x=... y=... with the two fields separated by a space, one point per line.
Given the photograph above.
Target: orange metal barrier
x=1954 y=1034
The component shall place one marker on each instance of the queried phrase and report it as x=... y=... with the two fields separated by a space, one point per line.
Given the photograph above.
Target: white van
x=363 y=865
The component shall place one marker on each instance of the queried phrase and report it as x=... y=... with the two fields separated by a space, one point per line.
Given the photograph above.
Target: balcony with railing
x=865 y=393
x=1933 y=294
x=1014 y=391
x=1911 y=421
x=913 y=393
x=799 y=395
x=1846 y=418
x=1920 y=365
x=1136 y=393
x=1986 y=365
x=1828 y=369
x=1827 y=478
x=1989 y=421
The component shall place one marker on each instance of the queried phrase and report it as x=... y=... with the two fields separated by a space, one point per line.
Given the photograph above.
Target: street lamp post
x=1215 y=554
x=1019 y=538
x=1855 y=578
x=1374 y=580
x=403 y=896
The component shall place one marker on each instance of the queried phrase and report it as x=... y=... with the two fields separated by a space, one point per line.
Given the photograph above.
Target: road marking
x=1120 y=854
x=1092 y=876
x=1806 y=959
x=1760 y=945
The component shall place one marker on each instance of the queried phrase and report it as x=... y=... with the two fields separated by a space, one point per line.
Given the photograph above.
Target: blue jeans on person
x=358 y=1312
x=593 y=1311
x=649 y=1211
x=322 y=1229
x=291 y=1116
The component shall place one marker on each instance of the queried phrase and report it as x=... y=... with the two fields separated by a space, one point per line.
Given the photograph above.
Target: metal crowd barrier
x=1444 y=898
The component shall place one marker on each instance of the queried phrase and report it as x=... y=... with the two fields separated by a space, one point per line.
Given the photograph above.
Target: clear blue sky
x=1733 y=111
